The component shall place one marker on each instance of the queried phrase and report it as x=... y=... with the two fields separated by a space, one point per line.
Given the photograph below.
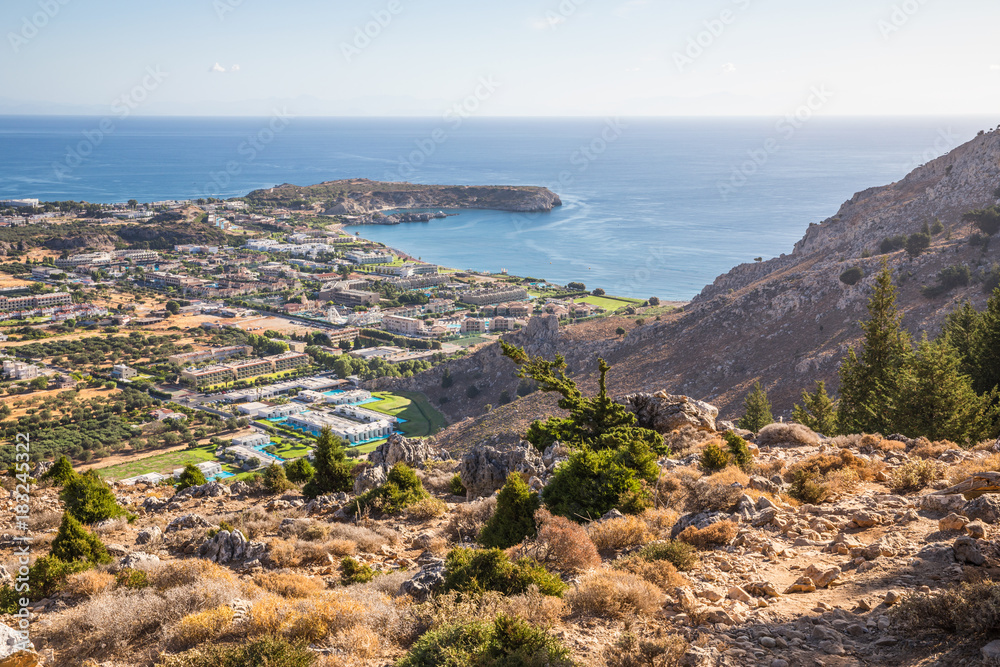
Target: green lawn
x=421 y=419
x=289 y=449
x=161 y=463
x=608 y=303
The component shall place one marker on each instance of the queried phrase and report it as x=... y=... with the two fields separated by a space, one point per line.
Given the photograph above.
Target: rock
x=719 y=615
x=802 y=585
x=424 y=582
x=787 y=435
x=954 y=502
x=892 y=597
x=152 y=504
x=663 y=412
x=737 y=593
x=138 y=561
x=985 y=508
x=554 y=454
x=763 y=484
x=485 y=467
x=761 y=589
x=240 y=488
x=226 y=547
x=187 y=521
x=768 y=642
x=149 y=535
x=866 y=519
x=370 y=478
x=207 y=490
x=612 y=514
x=11 y=642
x=976 y=530
x=822 y=578
x=398 y=449
x=952 y=522
x=699 y=520
x=967 y=551
x=991 y=652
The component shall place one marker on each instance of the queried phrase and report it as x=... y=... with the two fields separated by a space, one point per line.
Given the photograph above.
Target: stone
x=719 y=615
x=187 y=521
x=768 y=642
x=866 y=519
x=954 y=502
x=149 y=535
x=612 y=514
x=425 y=581
x=985 y=508
x=779 y=662
x=991 y=652
x=231 y=547
x=822 y=578
x=709 y=593
x=370 y=478
x=737 y=593
x=802 y=585
x=765 y=485
x=485 y=467
x=892 y=597
x=663 y=412
x=398 y=449
x=952 y=522
x=11 y=642
x=138 y=561
x=152 y=504
x=240 y=488
x=976 y=530
x=967 y=551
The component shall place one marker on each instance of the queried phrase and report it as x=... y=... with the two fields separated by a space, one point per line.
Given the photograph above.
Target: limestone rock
x=802 y=585
x=953 y=502
x=397 y=449
x=207 y=490
x=485 y=467
x=892 y=597
x=11 y=642
x=188 y=521
x=663 y=412
x=240 y=488
x=139 y=561
x=985 y=508
x=967 y=551
x=822 y=578
x=370 y=478
x=152 y=504
x=866 y=519
x=423 y=584
x=148 y=535
x=952 y=522
x=232 y=547
x=976 y=530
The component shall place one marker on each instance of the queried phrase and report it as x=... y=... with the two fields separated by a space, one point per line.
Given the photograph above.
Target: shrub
x=275 y=480
x=892 y=244
x=88 y=583
x=332 y=469
x=716 y=535
x=590 y=483
x=89 y=499
x=262 y=652
x=513 y=519
x=914 y=476
x=428 y=508
x=948 y=279
x=987 y=219
x=739 y=451
x=564 y=543
x=478 y=570
x=402 y=488
x=966 y=609
x=681 y=555
x=504 y=641
x=661 y=573
x=355 y=572
x=787 y=434
x=631 y=651
x=299 y=471
x=713 y=458
x=202 y=626
x=289 y=584
x=455 y=486
x=73 y=542
x=615 y=594
x=620 y=533
x=468 y=519
x=191 y=476
x=807 y=489
x=61 y=472
x=48 y=574
x=131 y=578
x=917 y=243
x=852 y=276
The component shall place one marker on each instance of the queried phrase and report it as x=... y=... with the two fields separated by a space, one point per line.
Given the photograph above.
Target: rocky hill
x=360 y=196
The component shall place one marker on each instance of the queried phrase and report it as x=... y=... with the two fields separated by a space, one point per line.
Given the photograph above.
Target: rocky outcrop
x=15 y=649
x=209 y=490
x=663 y=412
x=485 y=467
x=232 y=547
x=398 y=449
x=187 y=521
x=424 y=582
x=149 y=535
x=369 y=479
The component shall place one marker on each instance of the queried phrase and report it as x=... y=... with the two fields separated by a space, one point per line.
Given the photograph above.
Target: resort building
x=207 y=468
x=339 y=398
x=363 y=414
x=358 y=257
x=493 y=295
x=265 y=411
x=474 y=325
x=241 y=370
x=350 y=297
x=137 y=256
x=406 y=326
x=351 y=431
x=213 y=353
x=242 y=454
x=84 y=258
x=8 y=303
x=19 y=370
x=253 y=440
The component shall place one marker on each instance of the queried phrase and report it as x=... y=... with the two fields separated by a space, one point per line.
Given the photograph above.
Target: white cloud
x=729 y=68
x=995 y=68
x=234 y=68
x=216 y=68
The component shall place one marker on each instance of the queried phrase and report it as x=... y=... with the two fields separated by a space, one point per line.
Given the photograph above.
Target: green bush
x=681 y=555
x=513 y=519
x=275 y=480
x=917 y=243
x=89 y=499
x=738 y=451
x=48 y=574
x=507 y=641
x=355 y=572
x=131 y=578
x=892 y=244
x=805 y=488
x=852 y=276
x=299 y=471
x=191 y=476
x=74 y=542
x=590 y=483
x=948 y=279
x=332 y=469
x=455 y=486
x=402 y=488
x=61 y=472
x=480 y=570
x=261 y=652
x=713 y=458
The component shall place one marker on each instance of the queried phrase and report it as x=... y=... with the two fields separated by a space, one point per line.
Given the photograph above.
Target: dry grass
x=426 y=509
x=728 y=476
x=44 y=520
x=311 y=619
x=965 y=469
x=202 y=626
x=437 y=480
x=614 y=594
x=88 y=583
x=925 y=449
x=188 y=572
x=687 y=440
x=627 y=531
x=289 y=584
x=662 y=573
x=659 y=650
x=914 y=476
x=468 y=519
x=366 y=539
x=295 y=552
x=533 y=607
x=787 y=434
x=716 y=535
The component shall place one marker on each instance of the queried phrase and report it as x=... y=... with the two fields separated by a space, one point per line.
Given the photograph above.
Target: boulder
x=991 y=652
x=152 y=504
x=149 y=535
x=188 y=521
x=953 y=502
x=207 y=490
x=663 y=412
x=976 y=530
x=231 y=547
x=801 y=585
x=138 y=561
x=424 y=582
x=42 y=467
x=967 y=551
x=985 y=508
x=485 y=467
x=370 y=478
x=952 y=522
x=822 y=578
x=397 y=449
x=240 y=488
x=787 y=435
x=12 y=641
x=866 y=519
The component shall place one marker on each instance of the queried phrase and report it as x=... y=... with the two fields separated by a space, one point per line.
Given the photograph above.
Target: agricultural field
x=162 y=463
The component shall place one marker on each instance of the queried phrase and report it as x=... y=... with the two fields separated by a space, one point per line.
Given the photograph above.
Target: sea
x=651 y=207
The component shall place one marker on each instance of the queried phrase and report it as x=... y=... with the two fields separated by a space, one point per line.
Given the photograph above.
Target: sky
x=509 y=58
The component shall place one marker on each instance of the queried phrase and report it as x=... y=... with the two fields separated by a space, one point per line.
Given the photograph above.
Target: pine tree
x=514 y=518
x=74 y=542
x=986 y=347
x=333 y=470
x=961 y=329
x=938 y=401
x=89 y=499
x=756 y=410
x=870 y=383
x=191 y=476
x=818 y=411
x=61 y=472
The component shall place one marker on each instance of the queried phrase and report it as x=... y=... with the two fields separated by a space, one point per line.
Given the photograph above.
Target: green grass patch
x=162 y=463
x=421 y=418
x=608 y=303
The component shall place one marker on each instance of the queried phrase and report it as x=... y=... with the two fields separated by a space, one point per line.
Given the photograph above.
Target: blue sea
x=651 y=207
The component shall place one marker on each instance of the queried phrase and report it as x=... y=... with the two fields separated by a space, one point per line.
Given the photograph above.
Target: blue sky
x=516 y=57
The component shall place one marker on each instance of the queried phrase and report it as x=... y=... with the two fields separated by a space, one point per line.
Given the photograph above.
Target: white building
x=351 y=431
x=123 y=372
x=252 y=440
x=18 y=370
x=207 y=468
x=358 y=257
x=363 y=414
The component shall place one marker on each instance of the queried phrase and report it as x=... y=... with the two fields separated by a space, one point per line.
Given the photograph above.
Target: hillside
x=788 y=321
x=359 y=196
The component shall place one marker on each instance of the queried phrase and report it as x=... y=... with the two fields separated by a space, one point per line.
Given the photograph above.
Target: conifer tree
x=191 y=476
x=333 y=470
x=514 y=518
x=756 y=410
x=74 y=542
x=986 y=347
x=961 y=329
x=870 y=383
x=818 y=411
x=89 y=499
x=61 y=472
